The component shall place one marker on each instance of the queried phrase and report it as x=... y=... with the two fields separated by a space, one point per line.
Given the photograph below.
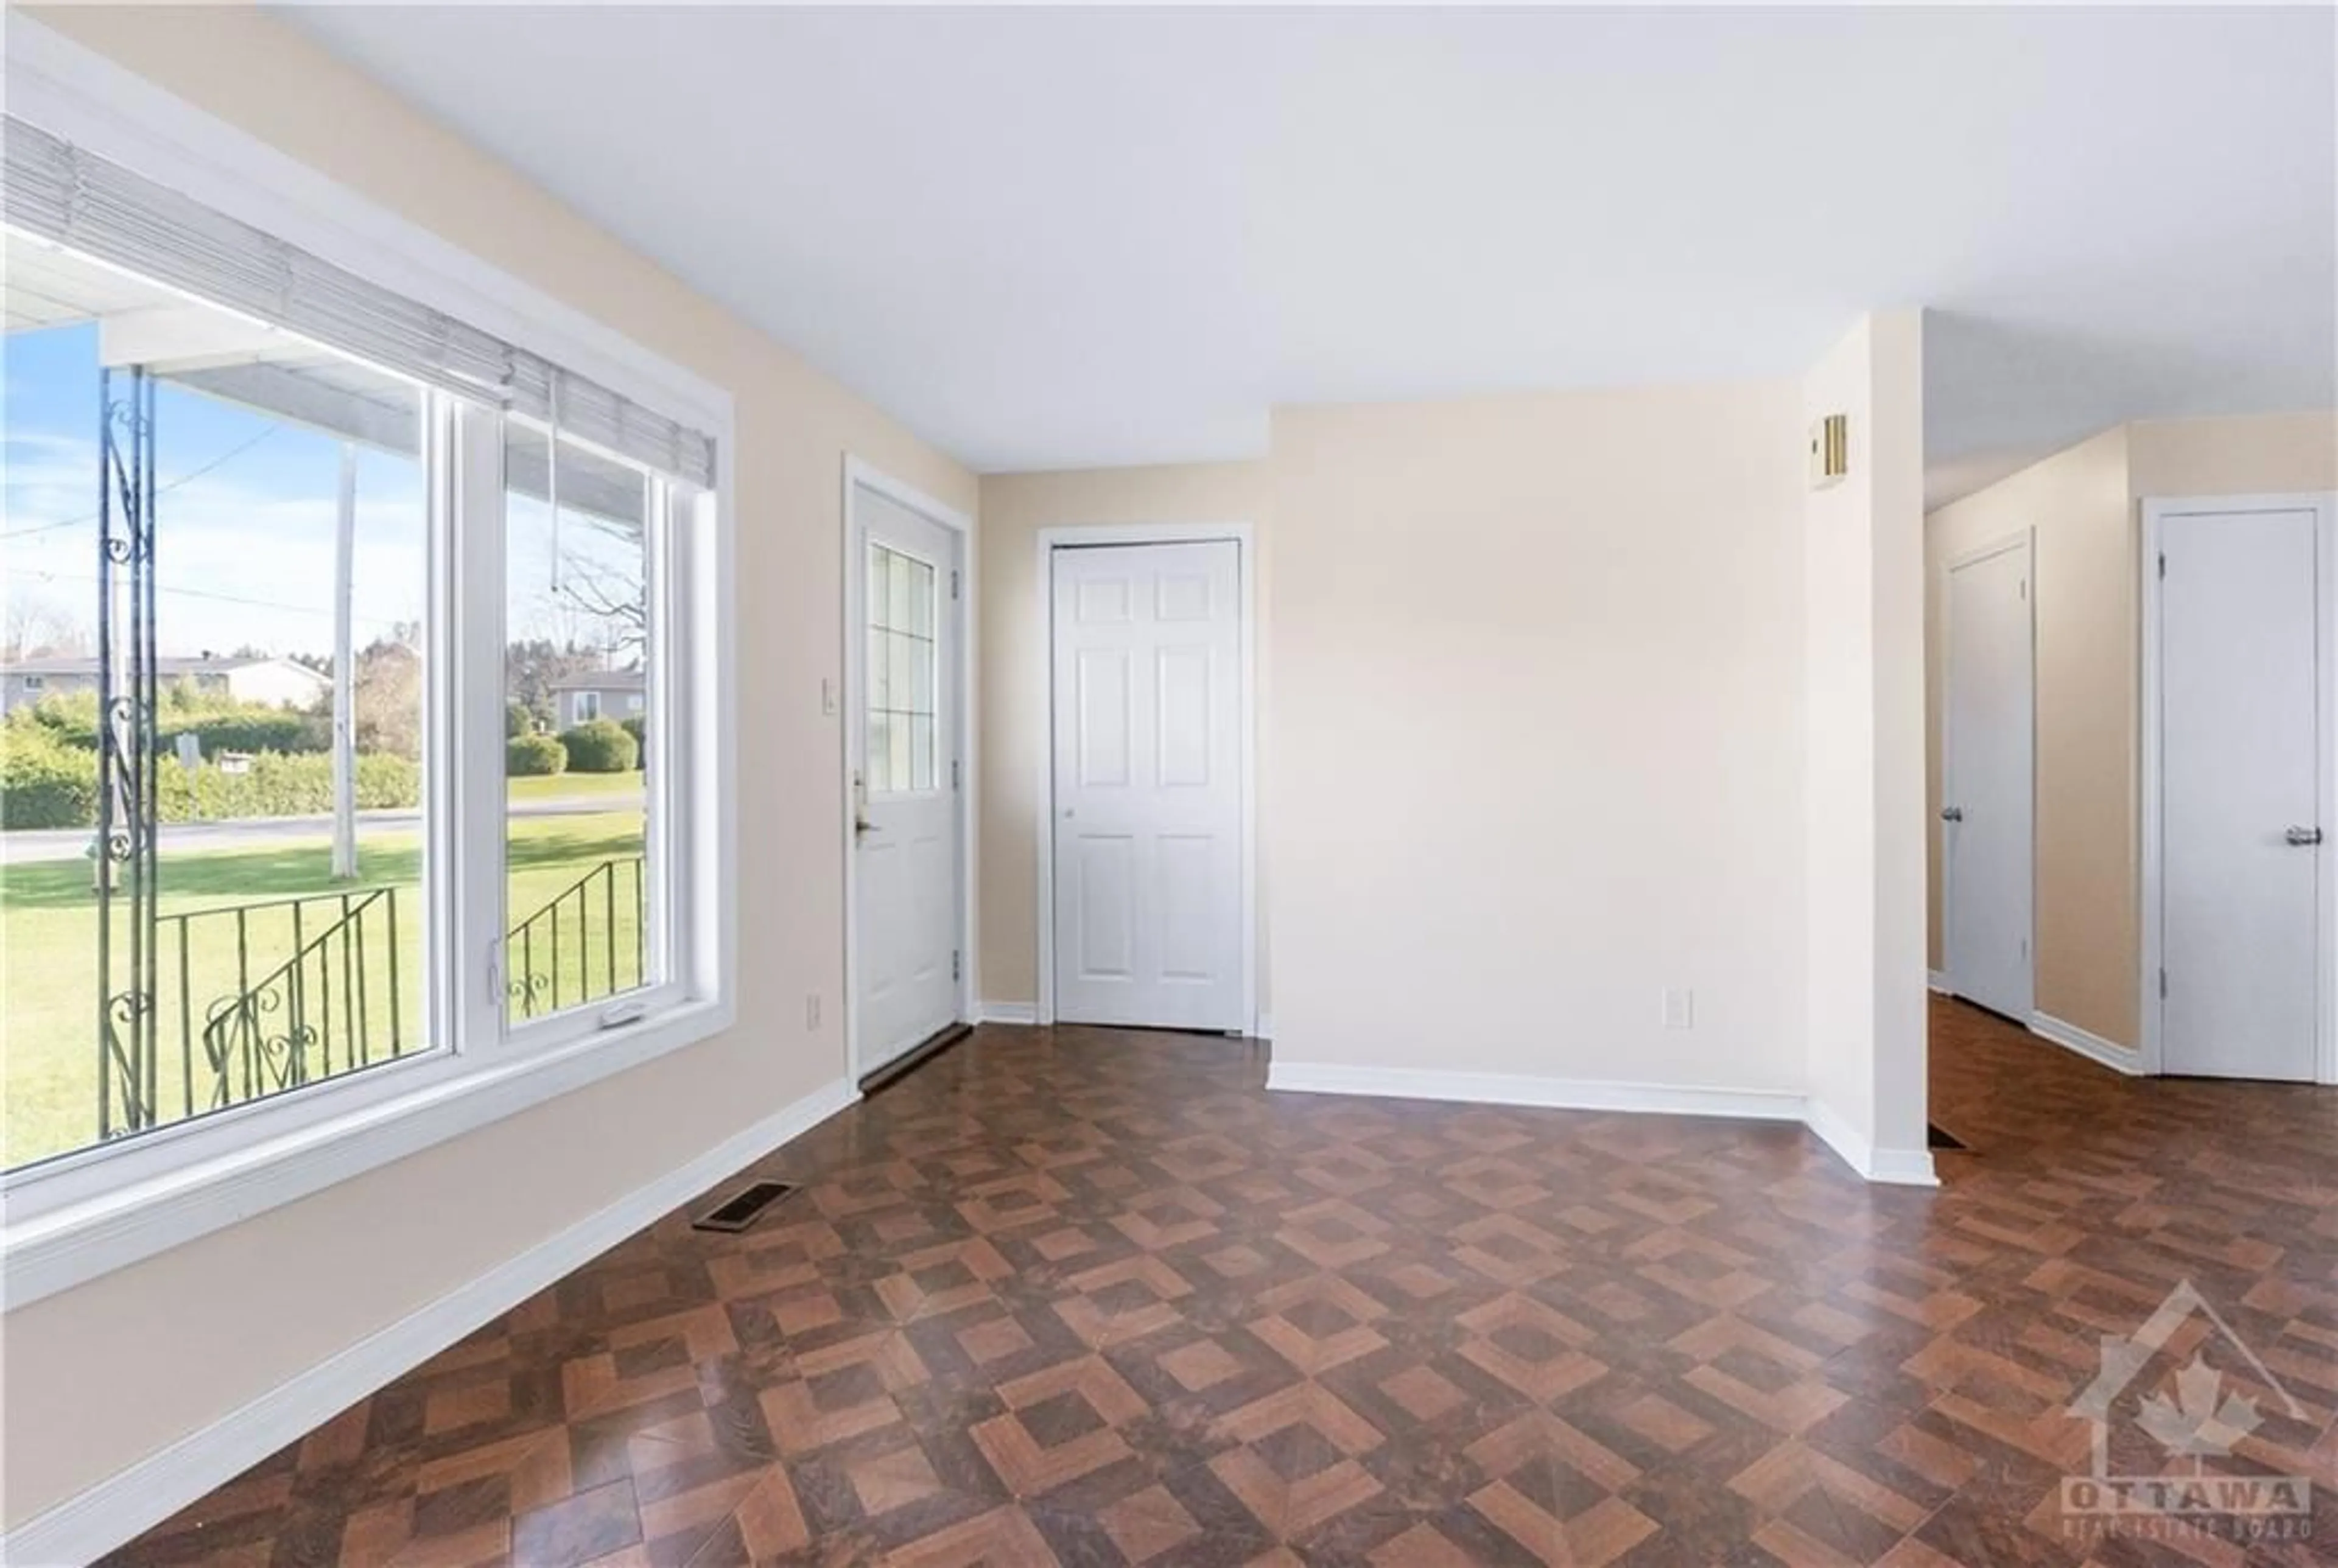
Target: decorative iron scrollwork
x=129 y=1058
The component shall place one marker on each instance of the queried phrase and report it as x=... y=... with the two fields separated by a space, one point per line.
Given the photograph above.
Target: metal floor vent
x=742 y=1209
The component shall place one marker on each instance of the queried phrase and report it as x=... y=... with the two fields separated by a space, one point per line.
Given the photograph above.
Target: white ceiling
x=1059 y=238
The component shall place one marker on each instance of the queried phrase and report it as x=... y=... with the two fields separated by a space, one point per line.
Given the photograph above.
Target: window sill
x=79 y=1242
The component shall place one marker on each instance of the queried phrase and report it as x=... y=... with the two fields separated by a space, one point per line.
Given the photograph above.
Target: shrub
x=600 y=746
x=55 y=786
x=242 y=726
x=45 y=783
x=534 y=757
x=69 y=716
x=281 y=785
x=279 y=730
x=638 y=728
x=519 y=721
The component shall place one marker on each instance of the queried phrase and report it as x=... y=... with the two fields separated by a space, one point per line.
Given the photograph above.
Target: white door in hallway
x=1147 y=806
x=2240 y=758
x=904 y=758
x=1987 y=781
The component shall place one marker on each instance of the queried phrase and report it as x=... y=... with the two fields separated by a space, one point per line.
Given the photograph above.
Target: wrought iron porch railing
x=190 y=952
x=587 y=941
x=315 y=1016
x=339 y=1001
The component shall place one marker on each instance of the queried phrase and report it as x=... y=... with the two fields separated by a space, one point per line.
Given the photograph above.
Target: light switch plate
x=1680 y=1009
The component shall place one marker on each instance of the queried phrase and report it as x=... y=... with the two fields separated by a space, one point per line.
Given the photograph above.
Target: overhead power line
x=191 y=474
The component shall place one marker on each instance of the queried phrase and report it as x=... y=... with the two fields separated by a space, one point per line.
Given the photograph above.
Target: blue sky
x=245 y=536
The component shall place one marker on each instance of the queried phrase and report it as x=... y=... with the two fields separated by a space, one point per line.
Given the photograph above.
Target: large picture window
x=350 y=665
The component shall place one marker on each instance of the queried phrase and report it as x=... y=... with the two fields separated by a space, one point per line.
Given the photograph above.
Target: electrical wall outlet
x=828 y=696
x=812 y=1011
x=1680 y=1009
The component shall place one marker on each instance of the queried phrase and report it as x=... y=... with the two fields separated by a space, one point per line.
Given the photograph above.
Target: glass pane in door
x=901 y=720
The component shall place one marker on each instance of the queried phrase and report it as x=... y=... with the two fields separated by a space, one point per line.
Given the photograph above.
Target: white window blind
x=58 y=192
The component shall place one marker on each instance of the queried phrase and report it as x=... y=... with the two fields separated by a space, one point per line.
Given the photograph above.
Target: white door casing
x=2241 y=754
x=904 y=729
x=1148 y=793
x=1987 y=780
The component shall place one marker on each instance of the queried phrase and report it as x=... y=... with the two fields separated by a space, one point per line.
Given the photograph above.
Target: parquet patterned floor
x=1088 y=1298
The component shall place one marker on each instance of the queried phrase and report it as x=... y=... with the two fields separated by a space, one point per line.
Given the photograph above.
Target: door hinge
x=953 y=772
x=956 y=965
x=2162 y=984
x=953 y=582
x=2025 y=589
x=2163 y=565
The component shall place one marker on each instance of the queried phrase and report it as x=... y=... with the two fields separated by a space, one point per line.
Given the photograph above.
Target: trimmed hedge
x=273 y=730
x=244 y=729
x=638 y=728
x=44 y=784
x=277 y=784
x=600 y=746
x=56 y=787
x=534 y=757
x=519 y=721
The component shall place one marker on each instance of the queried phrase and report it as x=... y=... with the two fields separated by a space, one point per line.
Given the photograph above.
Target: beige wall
x=1537 y=735
x=2264 y=454
x=2084 y=504
x=1861 y=560
x=2085 y=585
x=103 y=1375
x=1013 y=632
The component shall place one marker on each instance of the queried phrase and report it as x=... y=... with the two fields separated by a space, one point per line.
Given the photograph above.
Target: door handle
x=1952 y=813
x=2304 y=837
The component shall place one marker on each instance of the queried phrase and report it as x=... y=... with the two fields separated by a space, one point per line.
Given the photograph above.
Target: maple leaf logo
x=2197 y=1421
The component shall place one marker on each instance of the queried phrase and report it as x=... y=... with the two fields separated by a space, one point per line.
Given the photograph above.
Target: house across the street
x=257 y=678
x=597 y=694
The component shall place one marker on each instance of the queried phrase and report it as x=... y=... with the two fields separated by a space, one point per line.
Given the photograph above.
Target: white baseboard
x=118 y=1509
x=2093 y=1047
x=1898 y=1166
x=1939 y=982
x=1903 y=1167
x=1555 y=1093
x=1028 y=1013
x=1891 y=1166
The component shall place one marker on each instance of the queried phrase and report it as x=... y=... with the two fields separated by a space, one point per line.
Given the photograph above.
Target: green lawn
x=48 y=958
x=574 y=786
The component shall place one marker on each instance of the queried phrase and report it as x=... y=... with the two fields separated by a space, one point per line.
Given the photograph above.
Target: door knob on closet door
x=1952 y=813
x=2304 y=837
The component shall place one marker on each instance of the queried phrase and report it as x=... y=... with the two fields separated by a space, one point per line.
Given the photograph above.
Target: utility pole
x=345 y=718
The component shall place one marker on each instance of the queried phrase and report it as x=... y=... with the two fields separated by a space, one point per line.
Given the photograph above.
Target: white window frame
x=71 y=1219
x=34 y=683
x=577 y=713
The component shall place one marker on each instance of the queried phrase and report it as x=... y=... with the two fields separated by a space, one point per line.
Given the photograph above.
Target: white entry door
x=1986 y=785
x=1148 y=794
x=2239 y=754
x=904 y=754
